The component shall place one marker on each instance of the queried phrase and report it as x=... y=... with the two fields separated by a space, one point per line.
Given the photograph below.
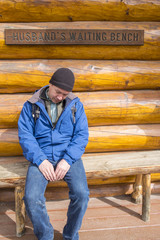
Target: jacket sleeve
x=80 y=137
x=31 y=149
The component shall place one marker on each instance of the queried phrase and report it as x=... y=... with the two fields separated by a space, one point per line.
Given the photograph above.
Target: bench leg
x=137 y=192
x=146 y=181
x=20 y=211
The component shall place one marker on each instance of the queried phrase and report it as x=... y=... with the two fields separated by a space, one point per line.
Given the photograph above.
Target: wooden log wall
x=91 y=75
x=101 y=139
x=102 y=108
x=79 y=10
x=148 y=51
x=119 y=85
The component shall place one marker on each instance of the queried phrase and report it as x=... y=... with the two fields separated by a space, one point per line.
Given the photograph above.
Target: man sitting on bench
x=53 y=133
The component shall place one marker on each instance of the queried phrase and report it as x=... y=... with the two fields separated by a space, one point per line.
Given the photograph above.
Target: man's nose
x=59 y=97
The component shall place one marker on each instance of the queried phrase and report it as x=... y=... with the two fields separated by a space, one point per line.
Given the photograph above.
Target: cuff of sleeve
x=38 y=163
x=68 y=159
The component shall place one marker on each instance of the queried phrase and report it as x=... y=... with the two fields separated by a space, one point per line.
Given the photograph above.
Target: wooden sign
x=74 y=37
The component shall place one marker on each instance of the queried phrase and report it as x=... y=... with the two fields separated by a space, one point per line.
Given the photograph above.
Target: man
x=53 y=133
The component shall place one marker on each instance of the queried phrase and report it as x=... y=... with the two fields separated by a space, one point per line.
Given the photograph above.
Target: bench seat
x=102 y=165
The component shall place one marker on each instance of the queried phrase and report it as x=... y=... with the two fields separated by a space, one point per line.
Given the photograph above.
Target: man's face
x=57 y=94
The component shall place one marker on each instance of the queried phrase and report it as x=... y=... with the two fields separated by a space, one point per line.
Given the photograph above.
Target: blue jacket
x=40 y=140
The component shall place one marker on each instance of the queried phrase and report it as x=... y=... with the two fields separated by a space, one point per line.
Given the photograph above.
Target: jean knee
x=32 y=199
x=82 y=196
x=29 y=197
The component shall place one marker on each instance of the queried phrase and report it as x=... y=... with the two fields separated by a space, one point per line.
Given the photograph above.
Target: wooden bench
x=102 y=165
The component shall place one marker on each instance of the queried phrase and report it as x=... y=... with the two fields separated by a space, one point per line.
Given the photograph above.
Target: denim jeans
x=35 y=201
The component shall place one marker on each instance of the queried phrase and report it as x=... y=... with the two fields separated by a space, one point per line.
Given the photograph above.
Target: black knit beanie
x=63 y=78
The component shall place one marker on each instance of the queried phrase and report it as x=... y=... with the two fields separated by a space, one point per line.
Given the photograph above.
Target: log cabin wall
x=119 y=85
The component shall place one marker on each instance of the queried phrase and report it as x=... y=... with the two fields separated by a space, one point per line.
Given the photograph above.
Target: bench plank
x=13 y=169
x=101 y=165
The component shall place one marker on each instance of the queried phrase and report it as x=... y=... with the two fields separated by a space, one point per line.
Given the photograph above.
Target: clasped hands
x=50 y=174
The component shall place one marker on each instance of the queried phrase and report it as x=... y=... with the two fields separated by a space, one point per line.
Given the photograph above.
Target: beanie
x=63 y=78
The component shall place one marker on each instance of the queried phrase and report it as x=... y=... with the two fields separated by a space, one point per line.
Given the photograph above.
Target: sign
x=74 y=37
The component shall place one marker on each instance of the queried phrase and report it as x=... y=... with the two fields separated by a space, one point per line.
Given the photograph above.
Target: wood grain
x=81 y=10
x=19 y=211
x=102 y=108
x=91 y=75
x=59 y=193
x=101 y=139
x=120 y=138
x=146 y=197
x=107 y=165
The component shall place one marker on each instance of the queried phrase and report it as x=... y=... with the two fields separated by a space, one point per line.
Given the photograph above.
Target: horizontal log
x=18 y=168
x=100 y=191
x=7 y=195
x=155 y=177
x=18 y=160
x=102 y=108
x=13 y=169
x=101 y=139
x=119 y=138
x=121 y=164
x=27 y=76
x=149 y=51
x=81 y=10
x=129 y=107
x=94 y=181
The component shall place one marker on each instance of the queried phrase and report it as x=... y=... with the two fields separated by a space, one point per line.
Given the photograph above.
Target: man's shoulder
x=71 y=96
x=37 y=95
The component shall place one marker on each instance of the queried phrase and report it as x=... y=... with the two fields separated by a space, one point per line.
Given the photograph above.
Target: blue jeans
x=35 y=201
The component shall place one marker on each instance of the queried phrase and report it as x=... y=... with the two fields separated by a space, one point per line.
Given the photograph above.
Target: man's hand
x=61 y=169
x=47 y=170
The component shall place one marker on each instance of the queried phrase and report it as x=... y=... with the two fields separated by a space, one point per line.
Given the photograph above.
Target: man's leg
x=35 y=203
x=79 y=196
